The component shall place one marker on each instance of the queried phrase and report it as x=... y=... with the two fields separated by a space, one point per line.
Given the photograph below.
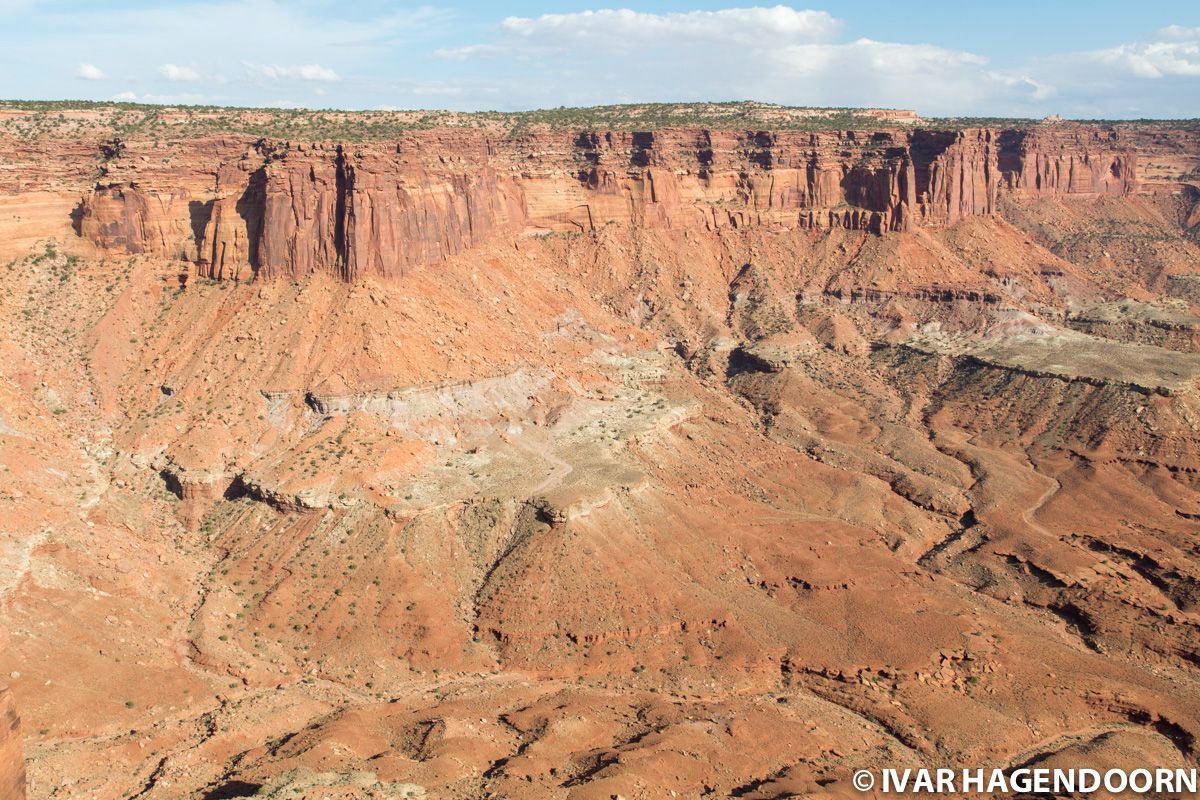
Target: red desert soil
x=592 y=464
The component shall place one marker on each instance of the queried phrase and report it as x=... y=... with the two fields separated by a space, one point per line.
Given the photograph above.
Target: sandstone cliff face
x=12 y=757
x=124 y=218
x=323 y=209
x=114 y=218
x=956 y=174
x=391 y=224
x=1068 y=161
x=714 y=179
x=289 y=210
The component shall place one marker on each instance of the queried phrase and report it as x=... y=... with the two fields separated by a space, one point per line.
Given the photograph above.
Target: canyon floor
x=634 y=509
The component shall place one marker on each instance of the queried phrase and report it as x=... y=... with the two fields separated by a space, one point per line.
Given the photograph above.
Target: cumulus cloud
x=619 y=30
x=803 y=57
x=625 y=28
x=1156 y=76
x=90 y=72
x=779 y=54
x=300 y=72
x=1179 y=33
x=1180 y=56
x=176 y=73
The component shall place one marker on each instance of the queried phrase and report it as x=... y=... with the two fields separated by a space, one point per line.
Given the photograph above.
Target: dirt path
x=1028 y=513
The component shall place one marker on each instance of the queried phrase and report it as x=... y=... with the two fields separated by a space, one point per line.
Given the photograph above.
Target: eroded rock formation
x=1068 y=161
x=278 y=209
x=322 y=209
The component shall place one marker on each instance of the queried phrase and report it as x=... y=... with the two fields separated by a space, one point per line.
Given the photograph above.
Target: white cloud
x=1153 y=59
x=1154 y=77
x=469 y=51
x=1023 y=85
x=301 y=72
x=624 y=30
x=90 y=72
x=125 y=97
x=801 y=57
x=778 y=54
x=310 y=42
x=173 y=72
x=1179 y=33
x=865 y=55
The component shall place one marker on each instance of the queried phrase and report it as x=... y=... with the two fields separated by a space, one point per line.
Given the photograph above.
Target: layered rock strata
x=282 y=210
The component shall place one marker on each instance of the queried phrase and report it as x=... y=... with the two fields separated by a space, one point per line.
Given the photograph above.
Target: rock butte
x=567 y=462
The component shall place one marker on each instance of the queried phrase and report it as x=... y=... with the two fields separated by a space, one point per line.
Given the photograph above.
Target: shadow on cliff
x=199 y=213
x=77 y=218
x=250 y=207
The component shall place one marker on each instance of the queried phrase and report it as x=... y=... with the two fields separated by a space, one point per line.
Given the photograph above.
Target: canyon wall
x=288 y=210
x=1069 y=161
x=324 y=209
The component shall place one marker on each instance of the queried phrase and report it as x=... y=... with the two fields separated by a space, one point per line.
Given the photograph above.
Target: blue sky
x=1097 y=59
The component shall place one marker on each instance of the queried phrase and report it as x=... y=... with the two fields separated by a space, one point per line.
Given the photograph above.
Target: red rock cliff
x=284 y=210
x=1068 y=160
x=323 y=209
